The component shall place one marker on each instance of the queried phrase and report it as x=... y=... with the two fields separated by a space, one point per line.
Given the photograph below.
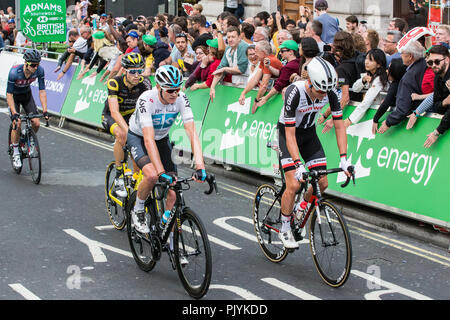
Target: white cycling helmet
x=169 y=77
x=322 y=74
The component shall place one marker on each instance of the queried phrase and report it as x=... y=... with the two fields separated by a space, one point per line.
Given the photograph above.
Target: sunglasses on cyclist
x=136 y=71
x=172 y=91
x=33 y=65
x=436 y=62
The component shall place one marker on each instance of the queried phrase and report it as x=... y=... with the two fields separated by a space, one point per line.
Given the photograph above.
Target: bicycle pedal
x=290 y=250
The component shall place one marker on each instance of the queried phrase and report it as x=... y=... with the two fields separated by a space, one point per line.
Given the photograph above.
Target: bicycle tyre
x=334 y=271
x=34 y=160
x=11 y=152
x=140 y=247
x=116 y=212
x=266 y=197
x=187 y=245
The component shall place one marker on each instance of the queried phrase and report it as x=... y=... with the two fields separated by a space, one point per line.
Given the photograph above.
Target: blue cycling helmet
x=32 y=55
x=169 y=77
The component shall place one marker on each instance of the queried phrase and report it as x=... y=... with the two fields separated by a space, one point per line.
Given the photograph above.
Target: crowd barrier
x=394 y=172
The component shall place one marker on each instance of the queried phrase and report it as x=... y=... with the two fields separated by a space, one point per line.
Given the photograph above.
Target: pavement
x=380 y=218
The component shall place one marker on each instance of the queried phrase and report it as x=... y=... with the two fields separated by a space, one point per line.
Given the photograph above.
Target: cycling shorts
x=310 y=148
x=141 y=157
x=110 y=124
x=26 y=101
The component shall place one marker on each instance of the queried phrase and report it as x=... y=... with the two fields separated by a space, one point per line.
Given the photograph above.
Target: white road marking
x=24 y=292
x=107 y=227
x=245 y=294
x=288 y=288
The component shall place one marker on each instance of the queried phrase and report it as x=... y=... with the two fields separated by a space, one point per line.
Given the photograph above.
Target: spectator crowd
x=270 y=51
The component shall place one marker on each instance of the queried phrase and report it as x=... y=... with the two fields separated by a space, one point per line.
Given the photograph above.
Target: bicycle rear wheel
x=11 y=152
x=330 y=245
x=193 y=255
x=140 y=244
x=267 y=222
x=116 y=211
x=34 y=157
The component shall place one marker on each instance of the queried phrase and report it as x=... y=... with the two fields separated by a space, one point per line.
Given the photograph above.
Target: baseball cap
x=11 y=21
x=321 y=4
x=98 y=35
x=149 y=39
x=104 y=15
x=133 y=34
x=214 y=43
x=289 y=44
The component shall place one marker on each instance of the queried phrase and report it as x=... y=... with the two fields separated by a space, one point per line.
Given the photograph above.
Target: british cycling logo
x=418 y=167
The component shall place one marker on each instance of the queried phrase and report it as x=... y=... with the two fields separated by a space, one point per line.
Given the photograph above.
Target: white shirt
x=369 y=98
x=80 y=45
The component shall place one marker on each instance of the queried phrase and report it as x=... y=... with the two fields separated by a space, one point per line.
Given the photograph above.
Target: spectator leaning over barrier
x=201 y=67
x=443 y=36
x=269 y=66
x=132 y=41
x=351 y=24
x=314 y=30
x=182 y=56
x=199 y=24
x=260 y=34
x=390 y=46
x=347 y=71
x=413 y=58
x=80 y=48
x=330 y=25
x=234 y=63
x=149 y=46
x=374 y=81
x=439 y=60
x=253 y=61
x=289 y=50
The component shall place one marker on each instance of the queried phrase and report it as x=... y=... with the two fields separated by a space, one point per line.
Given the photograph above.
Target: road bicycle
x=191 y=255
x=115 y=205
x=28 y=147
x=329 y=237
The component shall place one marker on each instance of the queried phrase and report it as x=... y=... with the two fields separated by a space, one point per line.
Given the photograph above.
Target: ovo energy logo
x=418 y=167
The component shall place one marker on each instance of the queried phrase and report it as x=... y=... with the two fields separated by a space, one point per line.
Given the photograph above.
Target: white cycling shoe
x=140 y=221
x=17 y=162
x=288 y=240
x=119 y=188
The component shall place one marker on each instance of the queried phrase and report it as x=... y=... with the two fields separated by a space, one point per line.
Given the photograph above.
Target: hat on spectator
x=321 y=4
x=104 y=15
x=98 y=35
x=126 y=22
x=207 y=24
x=133 y=34
x=11 y=21
x=289 y=44
x=149 y=39
x=214 y=43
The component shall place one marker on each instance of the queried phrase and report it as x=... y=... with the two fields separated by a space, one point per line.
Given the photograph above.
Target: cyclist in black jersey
x=18 y=94
x=123 y=92
x=297 y=135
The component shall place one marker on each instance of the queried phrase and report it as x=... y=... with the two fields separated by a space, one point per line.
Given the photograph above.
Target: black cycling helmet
x=32 y=55
x=133 y=60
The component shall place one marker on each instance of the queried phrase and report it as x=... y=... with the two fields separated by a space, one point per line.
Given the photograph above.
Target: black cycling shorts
x=141 y=157
x=310 y=148
x=26 y=101
x=110 y=124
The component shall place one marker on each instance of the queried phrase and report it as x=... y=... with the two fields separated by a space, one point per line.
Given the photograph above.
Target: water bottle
x=165 y=217
x=299 y=208
x=127 y=174
x=22 y=140
x=134 y=179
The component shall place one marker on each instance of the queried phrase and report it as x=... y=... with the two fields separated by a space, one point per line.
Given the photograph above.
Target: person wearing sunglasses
x=18 y=94
x=148 y=138
x=123 y=92
x=297 y=136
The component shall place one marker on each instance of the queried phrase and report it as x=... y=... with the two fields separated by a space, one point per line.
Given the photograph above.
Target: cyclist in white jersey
x=148 y=138
x=297 y=135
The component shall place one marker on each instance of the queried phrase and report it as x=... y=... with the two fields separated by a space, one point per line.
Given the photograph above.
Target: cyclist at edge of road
x=123 y=92
x=148 y=137
x=18 y=93
x=297 y=134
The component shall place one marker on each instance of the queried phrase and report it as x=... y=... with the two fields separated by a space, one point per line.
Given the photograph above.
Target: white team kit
x=151 y=112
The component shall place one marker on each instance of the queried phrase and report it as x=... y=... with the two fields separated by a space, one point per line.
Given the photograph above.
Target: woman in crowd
x=201 y=67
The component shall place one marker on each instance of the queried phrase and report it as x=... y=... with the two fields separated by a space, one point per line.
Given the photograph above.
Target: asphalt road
x=57 y=242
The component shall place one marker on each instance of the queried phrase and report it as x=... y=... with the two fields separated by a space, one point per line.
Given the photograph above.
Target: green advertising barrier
x=393 y=170
x=43 y=21
x=86 y=99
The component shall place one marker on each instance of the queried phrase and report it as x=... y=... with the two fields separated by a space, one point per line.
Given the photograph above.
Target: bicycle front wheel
x=11 y=152
x=193 y=255
x=114 y=206
x=34 y=157
x=330 y=244
x=140 y=244
x=267 y=222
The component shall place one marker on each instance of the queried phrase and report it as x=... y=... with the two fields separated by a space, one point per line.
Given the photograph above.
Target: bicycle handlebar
x=32 y=116
x=210 y=179
x=316 y=173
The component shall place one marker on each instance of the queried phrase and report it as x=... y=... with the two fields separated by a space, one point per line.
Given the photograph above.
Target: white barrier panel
x=7 y=60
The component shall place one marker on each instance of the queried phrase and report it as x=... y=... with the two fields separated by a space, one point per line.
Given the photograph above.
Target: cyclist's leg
x=165 y=153
x=30 y=107
x=15 y=134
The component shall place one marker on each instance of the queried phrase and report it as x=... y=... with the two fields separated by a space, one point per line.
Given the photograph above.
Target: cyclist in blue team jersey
x=18 y=93
x=297 y=136
x=156 y=111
